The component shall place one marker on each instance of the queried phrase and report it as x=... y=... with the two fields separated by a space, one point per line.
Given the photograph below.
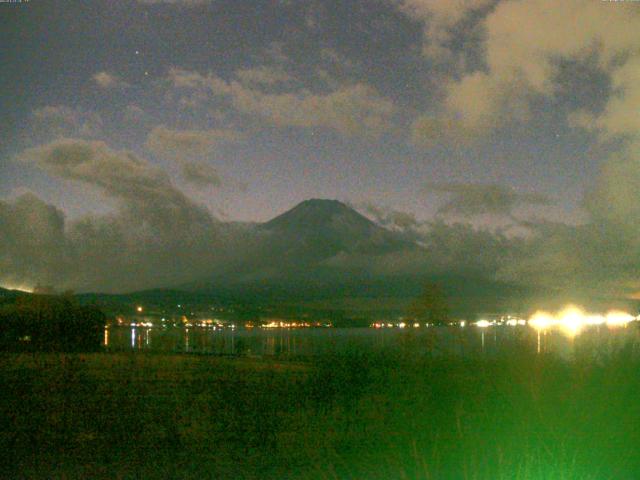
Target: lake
x=306 y=342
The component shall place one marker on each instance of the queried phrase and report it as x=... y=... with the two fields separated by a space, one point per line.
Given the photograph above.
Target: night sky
x=516 y=117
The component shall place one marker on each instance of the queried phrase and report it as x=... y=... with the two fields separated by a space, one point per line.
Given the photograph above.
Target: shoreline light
x=571 y=320
x=616 y=318
x=483 y=323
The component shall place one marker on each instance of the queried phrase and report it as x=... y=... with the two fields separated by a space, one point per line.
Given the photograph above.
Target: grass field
x=362 y=415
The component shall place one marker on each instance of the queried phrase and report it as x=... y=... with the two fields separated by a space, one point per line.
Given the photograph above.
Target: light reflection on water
x=318 y=341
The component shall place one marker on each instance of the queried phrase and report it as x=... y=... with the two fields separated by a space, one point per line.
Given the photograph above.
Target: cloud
x=614 y=199
x=440 y=18
x=528 y=57
x=524 y=47
x=201 y=174
x=177 y=144
x=587 y=259
x=156 y=237
x=190 y=149
x=33 y=244
x=469 y=199
x=460 y=249
x=602 y=255
x=524 y=44
x=263 y=76
x=108 y=80
x=389 y=217
x=54 y=121
x=620 y=118
x=428 y=130
x=350 y=110
x=121 y=175
x=596 y=259
x=134 y=114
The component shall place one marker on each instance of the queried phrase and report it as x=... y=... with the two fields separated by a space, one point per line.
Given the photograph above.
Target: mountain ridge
x=324 y=251
x=315 y=242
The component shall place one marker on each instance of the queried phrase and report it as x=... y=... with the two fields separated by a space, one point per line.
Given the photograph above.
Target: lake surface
x=305 y=342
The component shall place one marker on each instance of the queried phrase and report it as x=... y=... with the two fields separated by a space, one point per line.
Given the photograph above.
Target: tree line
x=50 y=323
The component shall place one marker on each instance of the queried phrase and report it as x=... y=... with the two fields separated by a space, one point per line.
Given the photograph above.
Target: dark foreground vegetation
x=372 y=415
x=49 y=323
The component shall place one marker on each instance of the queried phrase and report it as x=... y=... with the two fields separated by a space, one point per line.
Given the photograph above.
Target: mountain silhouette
x=319 y=231
x=323 y=252
x=317 y=245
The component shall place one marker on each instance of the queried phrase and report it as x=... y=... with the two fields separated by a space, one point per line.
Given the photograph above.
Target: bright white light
x=542 y=320
x=572 y=319
x=594 y=319
x=616 y=318
x=483 y=323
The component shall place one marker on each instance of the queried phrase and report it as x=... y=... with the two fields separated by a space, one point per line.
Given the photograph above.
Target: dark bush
x=45 y=323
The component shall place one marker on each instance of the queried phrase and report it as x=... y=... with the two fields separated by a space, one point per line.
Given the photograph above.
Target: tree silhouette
x=50 y=322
